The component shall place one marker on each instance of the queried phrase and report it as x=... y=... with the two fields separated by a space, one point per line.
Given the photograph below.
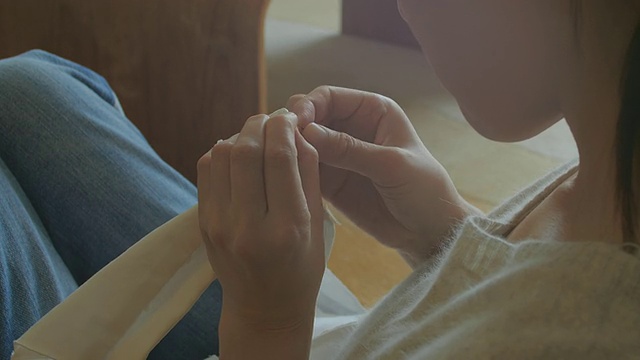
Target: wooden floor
x=304 y=50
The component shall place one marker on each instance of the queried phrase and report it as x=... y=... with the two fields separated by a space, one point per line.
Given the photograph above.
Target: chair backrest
x=187 y=72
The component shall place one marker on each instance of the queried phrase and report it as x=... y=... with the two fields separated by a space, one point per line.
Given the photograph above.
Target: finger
x=220 y=175
x=363 y=114
x=343 y=151
x=247 y=166
x=281 y=111
x=204 y=186
x=309 y=167
x=233 y=139
x=282 y=177
x=326 y=103
x=294 y=100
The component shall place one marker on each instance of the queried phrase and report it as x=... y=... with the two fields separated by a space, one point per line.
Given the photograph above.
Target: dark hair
x=628 y=144
x=627 y=138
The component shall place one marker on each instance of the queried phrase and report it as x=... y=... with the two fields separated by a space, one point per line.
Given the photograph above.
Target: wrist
x=264 y=313
x=236 y=323
x=242 y=338
x=265 y=321
x=451 y=216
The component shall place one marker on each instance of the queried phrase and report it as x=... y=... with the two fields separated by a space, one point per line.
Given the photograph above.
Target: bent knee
x=38 y=74
x=28 y=77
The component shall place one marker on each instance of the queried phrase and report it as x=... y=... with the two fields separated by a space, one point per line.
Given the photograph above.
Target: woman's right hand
x=376 y=170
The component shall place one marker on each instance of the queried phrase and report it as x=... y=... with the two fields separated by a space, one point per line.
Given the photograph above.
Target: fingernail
x=233 y=139
x=279 y=112
x=230 y=140
x=314 y=133
x=317 y=128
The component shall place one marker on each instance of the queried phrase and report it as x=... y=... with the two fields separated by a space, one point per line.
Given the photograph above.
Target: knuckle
x=280 y=123
x=292 y=224
x=243 y=246
x=325 y=92
x=396 y=156
x=286 y=234
x=324 y=89
x=388 y=102
x=393 y=105
x=377 y=105
x=246 y=153
x=220 y=150
x=204 y=162
x=344 y=144
x=280 y=156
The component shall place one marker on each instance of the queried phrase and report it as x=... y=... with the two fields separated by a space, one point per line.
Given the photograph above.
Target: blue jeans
x=79 y=185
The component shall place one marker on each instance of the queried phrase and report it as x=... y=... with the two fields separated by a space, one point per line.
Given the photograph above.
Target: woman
x=554 y=273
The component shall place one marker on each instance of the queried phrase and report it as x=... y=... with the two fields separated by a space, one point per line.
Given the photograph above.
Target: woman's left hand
x=261 y=217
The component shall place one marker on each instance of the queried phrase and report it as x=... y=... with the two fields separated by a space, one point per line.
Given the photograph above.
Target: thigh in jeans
x=33 y=277
x=93 y=180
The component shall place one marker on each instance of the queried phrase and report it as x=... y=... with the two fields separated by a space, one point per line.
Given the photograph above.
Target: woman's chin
x=502 y=128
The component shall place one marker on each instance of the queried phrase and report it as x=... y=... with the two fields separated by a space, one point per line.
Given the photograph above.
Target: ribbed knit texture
x=487 y=298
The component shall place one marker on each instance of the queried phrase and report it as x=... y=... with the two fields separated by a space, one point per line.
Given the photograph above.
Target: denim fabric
x=79 y=185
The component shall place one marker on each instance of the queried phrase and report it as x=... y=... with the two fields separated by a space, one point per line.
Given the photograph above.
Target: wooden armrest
x=187 y=72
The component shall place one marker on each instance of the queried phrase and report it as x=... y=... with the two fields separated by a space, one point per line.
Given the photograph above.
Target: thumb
x=343 y=151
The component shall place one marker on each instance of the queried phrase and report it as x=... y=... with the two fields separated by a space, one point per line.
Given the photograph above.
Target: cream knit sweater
x=486 y=298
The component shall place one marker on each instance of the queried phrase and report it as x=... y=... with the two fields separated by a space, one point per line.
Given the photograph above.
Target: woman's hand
x=376 y=170
x=261 y=216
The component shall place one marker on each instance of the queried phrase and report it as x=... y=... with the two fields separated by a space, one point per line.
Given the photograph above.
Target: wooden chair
x=187 y=72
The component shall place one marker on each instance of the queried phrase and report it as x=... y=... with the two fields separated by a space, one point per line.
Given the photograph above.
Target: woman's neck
x=584 y=208
x=592 y=108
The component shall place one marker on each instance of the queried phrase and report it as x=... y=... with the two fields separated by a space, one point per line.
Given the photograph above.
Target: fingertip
x=230 y=141
x=294 y=100
x=285 y=121
x=258 y=117
x=305 y=110
x=315 y=133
